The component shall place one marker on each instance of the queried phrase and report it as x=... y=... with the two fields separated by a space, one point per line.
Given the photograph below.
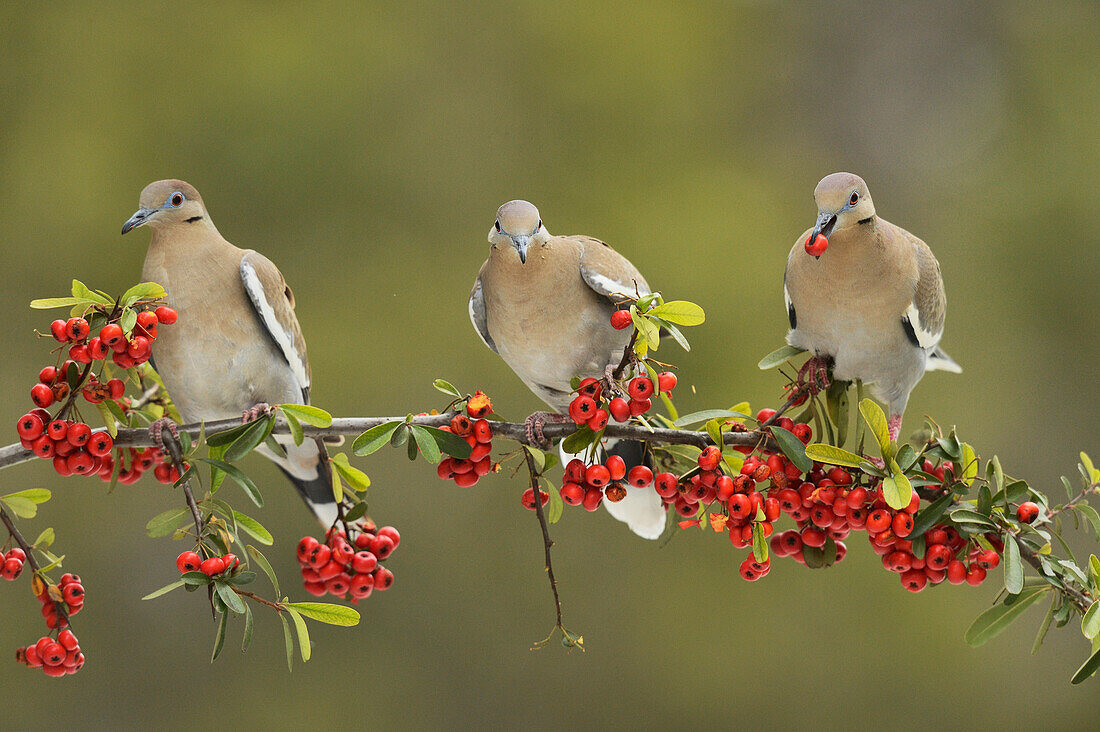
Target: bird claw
x=814 y=374
x=533 y=425
x=156 y=430
x=261 y=409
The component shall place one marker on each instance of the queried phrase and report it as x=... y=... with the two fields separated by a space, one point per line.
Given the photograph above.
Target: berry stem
x=14 y=532
x=277 y=606
x=628 y=354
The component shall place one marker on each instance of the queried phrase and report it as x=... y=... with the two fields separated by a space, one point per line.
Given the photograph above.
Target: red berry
x=76 y=329
x=80 y=463
x=616 y=466
x=73 y=593
x=117 y=387
x=638 y=406
x=1027 y=512
x=212 y=566
x=383 y=579
x=593 y=497
x=166 y=315
x=392 y=533
x=902 y=524
x=879 y=520
x=78 y=434
x=816 y=248
x=147 y=319
x=361 y=586
x=572 y=493
x=42 y=395
x=956 y=572
x=100 y=444
x=483 y=431
x=666 y=381
x=710 y=458
x=111 y=334
x=739 y=506
x=364 y=562
x=975 y=575
x=597 y=476
x=598 y=420
x=582 y=408
x=621 y=319
x=989 y=559
x=57 y=328
x=749 y=571
x=29 y=427
x=382 y=546
x=639 y=476
x=139 y=348
x=914 y=580
x=639 y=388
x=590 y=387
x=665 y=484
x=620 y=409
x=188 y=562
x=97 y=349
x=803 y=432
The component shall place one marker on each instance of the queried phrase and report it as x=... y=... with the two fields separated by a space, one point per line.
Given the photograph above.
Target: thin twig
x=547 y=542
x=627 y=353
x=278 y=606
x=1080 y=600
x=27 y=548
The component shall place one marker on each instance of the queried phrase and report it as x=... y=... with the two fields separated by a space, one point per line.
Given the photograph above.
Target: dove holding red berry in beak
x=866 y=297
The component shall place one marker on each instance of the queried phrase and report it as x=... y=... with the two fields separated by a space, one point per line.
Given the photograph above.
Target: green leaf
x=706 y=415
x=249 y=623
x=35 y=495
x=759 y=542
x=714 y=431
x=219 y=639
x=893 y=493
x=194 y=579
x=876 y=421
x=1090 y=623
x=356 y=512
x=927 y=517
x=966 y=516
x=427 y=445
x=308 y=414
x=969 y=464
x=355 y=477
x=128 y=320
x=1094 y=474
x=253 y=436
x=81 y=291
x=164 y=590
x=295 y=427
x=793 y=448
x=228 y=436
x=906 y=457
x=1045 y=625
x=997 y=618
x=262 y=563
x=1088 y=668
x=239 y=478
x=254 y=528
x=830 y=455
x=289 y=641
x=579 y=440
x=995 y=473
x=373 y=439
x=165 y=523
x=337 y=487
x=1093 y=517
x=325 y=612
x=47 y=303
x=447 y=388
x=556 y=506
x=231 y=599
x=143 y=291
x=303 y=632
x=108 y=419
x=679 y=312
x=1013 y=567
x=779 y=357
x=44 y=540
x=646 y=330
x=21 y=507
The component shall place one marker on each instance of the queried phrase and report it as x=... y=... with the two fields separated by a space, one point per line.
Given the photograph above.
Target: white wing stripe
x=925 y=337
x=286 y=343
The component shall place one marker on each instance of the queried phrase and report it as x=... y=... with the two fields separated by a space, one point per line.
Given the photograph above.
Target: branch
x=547 y=542
x=353 y=426
x=1079 y=599
x=27 y=548
x=278 y=606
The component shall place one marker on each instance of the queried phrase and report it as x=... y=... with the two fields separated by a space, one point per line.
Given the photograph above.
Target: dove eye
x=176 y=199
x=854 y=199
x=498 y=226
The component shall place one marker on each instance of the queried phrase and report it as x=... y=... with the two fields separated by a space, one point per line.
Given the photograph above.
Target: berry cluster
x=227 y=564
x=478 y=434
x=60 y=602
x=348 y=569
x=592 y=409
x=125 y=351
x=55 y=657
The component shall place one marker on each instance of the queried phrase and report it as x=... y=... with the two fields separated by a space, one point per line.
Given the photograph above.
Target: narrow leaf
x=997 y=618
x=778 y=357
x=355 y=477
x=1090 y=623
x=447 y=388
x=679 y=312
x=308 y=414
x=706 y=415
x=427 y=445
x=830 y=455
x=373 y=439
x=303 y=633
x=325 y=612
x=262 y=563
x=1088 y=668
x=927 y=517
x=295 y=428
x=792 y=447
x=289 y=643
x=249 y=622
x=251 y=438
x=164 y=590
x=876 y=421
x=1013 y=566
x=165 y=523
x=254 y=528
x=219 y=639
x=231 y=599
x=239 y=478
x=35 y=495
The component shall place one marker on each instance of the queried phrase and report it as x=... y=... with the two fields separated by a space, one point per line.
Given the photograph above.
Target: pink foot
x=893 y=425
x=262 y=409
x=815 y=374
x=157 y=428
x=533 y=427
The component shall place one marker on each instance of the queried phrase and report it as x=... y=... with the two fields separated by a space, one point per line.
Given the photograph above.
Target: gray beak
x=520 y=243
x=140 y=217
x=824 y=226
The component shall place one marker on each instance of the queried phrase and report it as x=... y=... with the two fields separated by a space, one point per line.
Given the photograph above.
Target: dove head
x=842 y=203
x=517 y=227
x=168 y=203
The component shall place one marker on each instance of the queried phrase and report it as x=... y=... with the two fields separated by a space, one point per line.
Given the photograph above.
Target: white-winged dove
x=544 y=304
x=865 y=295
x=237 y=343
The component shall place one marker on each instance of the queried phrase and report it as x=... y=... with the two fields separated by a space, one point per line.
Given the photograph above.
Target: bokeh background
x=365 y=146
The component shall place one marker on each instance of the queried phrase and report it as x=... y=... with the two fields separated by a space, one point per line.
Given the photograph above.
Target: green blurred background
x=365 y=147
